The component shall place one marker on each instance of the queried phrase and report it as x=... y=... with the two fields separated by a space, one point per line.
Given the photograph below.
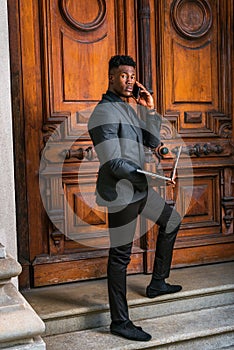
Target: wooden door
x=59 y=58
x=59 y=55
x=192 y=55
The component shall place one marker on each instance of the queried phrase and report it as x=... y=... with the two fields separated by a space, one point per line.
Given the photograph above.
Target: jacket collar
x=122 y=106
x=112 y=97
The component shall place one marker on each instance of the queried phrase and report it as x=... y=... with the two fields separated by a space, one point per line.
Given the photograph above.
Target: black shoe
x=129 y=331
x=165 y=288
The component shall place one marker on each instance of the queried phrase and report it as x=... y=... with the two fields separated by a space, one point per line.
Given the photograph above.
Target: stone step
x=202 y=329
x=142 y=308
x=84 y=305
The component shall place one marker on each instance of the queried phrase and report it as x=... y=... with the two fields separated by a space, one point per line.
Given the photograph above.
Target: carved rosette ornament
x=70 y=12
x=192 y=19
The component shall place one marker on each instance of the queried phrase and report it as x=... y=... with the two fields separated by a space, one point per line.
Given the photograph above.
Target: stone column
x=20 y=326
x=7 y=197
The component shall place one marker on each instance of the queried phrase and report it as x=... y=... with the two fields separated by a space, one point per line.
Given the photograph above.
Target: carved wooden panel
x=202 y=209
x=77 y=42
x=86 y=223
x=192 y=83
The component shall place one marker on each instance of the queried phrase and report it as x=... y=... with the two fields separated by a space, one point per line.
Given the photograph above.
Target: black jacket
x=119 y=137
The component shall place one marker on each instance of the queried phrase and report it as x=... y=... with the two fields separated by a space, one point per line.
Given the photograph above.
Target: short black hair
x=121 y=60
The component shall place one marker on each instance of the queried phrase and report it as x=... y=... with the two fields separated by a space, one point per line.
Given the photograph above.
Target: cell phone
x=136 y=91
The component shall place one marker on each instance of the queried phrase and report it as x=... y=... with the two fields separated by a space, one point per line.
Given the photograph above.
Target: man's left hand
x=145 y=98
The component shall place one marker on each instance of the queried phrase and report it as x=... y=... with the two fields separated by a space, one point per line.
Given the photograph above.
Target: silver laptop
x=173 y=175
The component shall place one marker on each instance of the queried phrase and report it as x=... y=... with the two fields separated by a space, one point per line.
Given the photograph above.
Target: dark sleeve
x=105 y=138
x=151 y=130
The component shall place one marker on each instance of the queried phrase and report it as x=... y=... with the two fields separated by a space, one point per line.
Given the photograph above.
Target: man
x=119 y=137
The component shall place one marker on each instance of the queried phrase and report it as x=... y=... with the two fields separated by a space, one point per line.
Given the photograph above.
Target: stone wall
x=7 y=197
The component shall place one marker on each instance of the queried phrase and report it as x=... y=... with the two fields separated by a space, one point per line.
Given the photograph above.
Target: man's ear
x=111 y=78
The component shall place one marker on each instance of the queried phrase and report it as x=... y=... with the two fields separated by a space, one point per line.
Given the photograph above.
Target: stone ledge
x=18 y=319
x=9 y=267
x=35 y=344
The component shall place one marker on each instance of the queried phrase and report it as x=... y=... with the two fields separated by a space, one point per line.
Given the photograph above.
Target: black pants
x=122 y=225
